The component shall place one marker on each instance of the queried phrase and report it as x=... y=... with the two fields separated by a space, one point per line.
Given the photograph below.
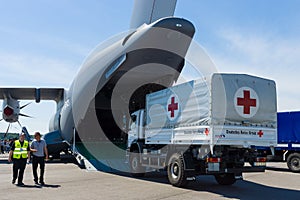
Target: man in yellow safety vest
x=19 y=154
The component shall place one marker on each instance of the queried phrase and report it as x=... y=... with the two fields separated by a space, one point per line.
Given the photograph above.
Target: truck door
x=141 y=124
x=132 y=133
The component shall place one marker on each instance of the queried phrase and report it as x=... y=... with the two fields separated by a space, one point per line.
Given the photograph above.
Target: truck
x=209 y=126
x=288 y=146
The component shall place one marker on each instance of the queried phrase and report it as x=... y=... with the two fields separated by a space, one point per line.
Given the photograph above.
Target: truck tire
x=136 y=169
x=293 y=162
x=225 y=179
x=176 y=173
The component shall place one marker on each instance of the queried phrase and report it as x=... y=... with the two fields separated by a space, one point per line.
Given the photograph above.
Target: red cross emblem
x=260 y=133
x=206 y=131
x=246 y=101
x=172 y=107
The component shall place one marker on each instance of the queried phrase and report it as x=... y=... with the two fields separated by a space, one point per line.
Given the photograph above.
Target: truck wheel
x=136 y=169
x=293 y=162
x=176 y=174
x=225 y=179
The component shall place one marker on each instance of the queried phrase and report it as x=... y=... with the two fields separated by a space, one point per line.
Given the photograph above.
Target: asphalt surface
x=66 y=180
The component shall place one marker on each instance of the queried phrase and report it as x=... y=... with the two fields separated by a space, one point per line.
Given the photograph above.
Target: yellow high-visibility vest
x=20 y=151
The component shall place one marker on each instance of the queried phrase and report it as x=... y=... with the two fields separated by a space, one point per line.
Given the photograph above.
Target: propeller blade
x=23 y=115
x=7 y=130
x=19 y=124
x=1 y=120
x=25 y=105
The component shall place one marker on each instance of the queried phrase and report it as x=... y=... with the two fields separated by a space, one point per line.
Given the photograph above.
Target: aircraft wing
x=37 y=94
x=148 y=11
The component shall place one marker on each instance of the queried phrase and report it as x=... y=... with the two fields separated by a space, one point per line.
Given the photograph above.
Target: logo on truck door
x=246 y=102
x=173 y=107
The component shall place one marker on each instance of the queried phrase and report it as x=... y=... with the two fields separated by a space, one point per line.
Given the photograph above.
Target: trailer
x=205 y=127
x=288 y=147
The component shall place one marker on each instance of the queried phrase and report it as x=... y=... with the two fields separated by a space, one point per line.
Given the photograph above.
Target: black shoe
x=20 y=184
x=35 y=182
x=13 y=181
x=42 y=183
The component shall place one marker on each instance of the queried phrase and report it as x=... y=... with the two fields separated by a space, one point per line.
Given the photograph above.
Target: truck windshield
x=132 y=122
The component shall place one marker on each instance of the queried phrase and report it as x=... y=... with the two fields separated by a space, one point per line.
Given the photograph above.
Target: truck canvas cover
x=187 y=104
x=244 y=110
x=226 y=109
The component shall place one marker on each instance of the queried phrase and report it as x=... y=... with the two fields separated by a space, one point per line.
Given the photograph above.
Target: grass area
x=9 y=136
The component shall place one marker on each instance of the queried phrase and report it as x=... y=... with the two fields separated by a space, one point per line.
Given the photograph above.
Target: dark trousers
x=35 y=162
x=19 y=166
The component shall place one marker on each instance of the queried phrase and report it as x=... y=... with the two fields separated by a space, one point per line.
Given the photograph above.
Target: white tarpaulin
x=187 y=104
x=228 y=109
x=243 y=99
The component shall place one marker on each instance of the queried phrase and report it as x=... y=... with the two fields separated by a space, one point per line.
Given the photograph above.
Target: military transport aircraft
x=92 y=116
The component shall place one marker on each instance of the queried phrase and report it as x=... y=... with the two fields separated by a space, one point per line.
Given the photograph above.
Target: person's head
x=37 y=136
x=22 y=136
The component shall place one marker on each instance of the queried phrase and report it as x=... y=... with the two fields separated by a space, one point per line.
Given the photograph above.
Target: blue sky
x=43 y=43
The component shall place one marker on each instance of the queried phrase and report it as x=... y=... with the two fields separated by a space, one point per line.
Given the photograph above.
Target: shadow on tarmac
x=39 y=186
x=244 y=189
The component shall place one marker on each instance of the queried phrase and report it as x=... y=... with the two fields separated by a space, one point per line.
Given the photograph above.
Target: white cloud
x=33 y=70
x=27 y=70
x=261 y=49
x=46 y=41
x=266 y=55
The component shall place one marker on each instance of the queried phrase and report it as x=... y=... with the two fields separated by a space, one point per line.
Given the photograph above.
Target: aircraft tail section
x=148 y=11
x=24 y=130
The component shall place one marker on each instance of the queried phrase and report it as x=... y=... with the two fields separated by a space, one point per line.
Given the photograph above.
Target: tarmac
x=65 y=180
